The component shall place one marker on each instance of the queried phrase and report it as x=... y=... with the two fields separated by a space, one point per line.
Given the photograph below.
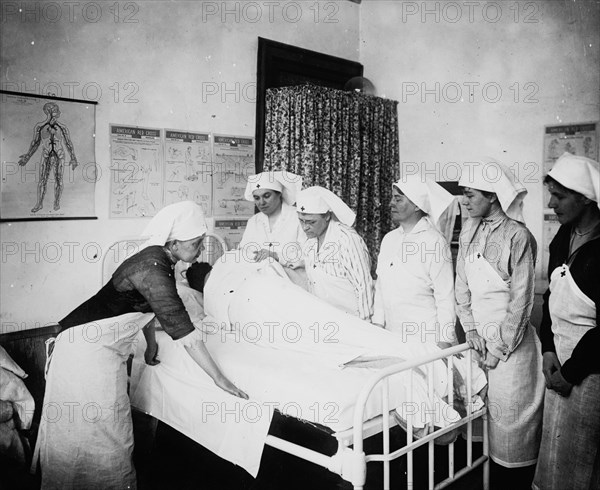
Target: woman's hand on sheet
x=197 y=350
x=476 y=342
x=264 y=254
x=226 y=385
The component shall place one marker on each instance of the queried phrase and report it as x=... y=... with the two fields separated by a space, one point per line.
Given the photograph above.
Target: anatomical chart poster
x=47 y=150
x=188 y=168
x=136 y=180
x=233 y=161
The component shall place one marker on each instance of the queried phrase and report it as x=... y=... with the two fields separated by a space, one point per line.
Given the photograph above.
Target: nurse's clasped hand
x=490 y=361
x=554 y=379
x=550 y=364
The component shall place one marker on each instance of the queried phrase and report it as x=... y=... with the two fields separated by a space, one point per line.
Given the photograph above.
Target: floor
x=172 y=461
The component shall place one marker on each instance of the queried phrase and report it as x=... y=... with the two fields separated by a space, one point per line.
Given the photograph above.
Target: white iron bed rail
x=351 y=462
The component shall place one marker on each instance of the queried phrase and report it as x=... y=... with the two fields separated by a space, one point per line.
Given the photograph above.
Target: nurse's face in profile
x=477 y=203
x=187 y=250
x=267 y=201
x=567 y=205
x=401 y=206
x=314 y=225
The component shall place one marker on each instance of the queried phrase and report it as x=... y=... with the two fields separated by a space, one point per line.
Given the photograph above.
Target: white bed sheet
x=298 y=384
x=299 y=373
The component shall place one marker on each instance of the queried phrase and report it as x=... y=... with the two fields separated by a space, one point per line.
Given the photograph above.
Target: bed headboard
x=214 y=247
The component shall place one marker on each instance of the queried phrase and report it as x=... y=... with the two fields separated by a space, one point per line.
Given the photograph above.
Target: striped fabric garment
x=511 y=250
x=343 y=253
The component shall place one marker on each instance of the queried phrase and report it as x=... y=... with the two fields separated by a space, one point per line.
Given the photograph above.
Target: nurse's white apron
x=409 y=304
x=570 y=450
x=337 y=291
x=515 y=387
x=85 y=439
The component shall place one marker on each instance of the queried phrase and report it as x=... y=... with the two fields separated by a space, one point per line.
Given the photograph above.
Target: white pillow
x=12 y=389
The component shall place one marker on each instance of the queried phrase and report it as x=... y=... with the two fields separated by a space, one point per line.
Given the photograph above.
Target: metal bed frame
x=350 y=460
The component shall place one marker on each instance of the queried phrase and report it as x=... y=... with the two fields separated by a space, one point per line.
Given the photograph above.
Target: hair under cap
x=490 y=175
x=179 y=221
x=579 y=174
x=318 y=200
x=287 y=183
x=427 y=195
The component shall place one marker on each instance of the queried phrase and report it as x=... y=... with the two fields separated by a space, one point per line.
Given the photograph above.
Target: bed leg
x=358 y=469
x=144 y=429
x=486 y=452
x=153 y=426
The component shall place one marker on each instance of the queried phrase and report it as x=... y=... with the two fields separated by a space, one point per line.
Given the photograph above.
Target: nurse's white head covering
x=579 y=174
x=179 y=221
x=427 y=195
x=489 y=175
x=287 y=183
x=318 y=200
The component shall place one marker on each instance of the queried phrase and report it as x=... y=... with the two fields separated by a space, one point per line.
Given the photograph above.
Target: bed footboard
x=358 y=476
x=350 y=461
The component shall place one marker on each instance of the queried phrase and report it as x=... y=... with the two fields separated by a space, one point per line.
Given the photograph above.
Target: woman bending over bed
x=86 y=435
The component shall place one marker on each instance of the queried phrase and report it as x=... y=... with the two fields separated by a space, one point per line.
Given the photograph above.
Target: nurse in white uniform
x=337 y=260
x=275 y=232
x=414 y=293
x=494 y=294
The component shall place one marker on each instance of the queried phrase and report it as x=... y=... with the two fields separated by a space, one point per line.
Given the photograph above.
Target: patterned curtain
x=344 y=141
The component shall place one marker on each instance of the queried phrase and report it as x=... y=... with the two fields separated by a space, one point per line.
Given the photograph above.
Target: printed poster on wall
x=231 y=230
x=578 y=139
x=188 y=169
x=137 y=174
x=47 y=149
x=233 y=161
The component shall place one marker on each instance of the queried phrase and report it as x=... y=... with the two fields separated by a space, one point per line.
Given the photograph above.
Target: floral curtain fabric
x=344 y=141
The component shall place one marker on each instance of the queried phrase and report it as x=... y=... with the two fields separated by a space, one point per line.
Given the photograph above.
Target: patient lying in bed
x=259 y=304
x=291 y=351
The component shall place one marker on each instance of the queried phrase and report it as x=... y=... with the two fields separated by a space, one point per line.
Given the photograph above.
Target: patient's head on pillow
x=196 y=275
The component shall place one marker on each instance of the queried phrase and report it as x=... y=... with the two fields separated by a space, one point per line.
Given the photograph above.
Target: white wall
x=165 y=58
x=540 y=60
x=550 y=53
